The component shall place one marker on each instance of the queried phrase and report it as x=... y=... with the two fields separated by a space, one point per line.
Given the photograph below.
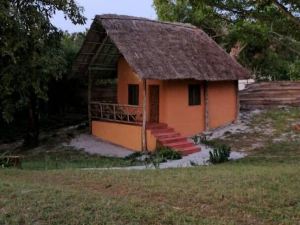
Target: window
x=133 y=94
x=194 y=94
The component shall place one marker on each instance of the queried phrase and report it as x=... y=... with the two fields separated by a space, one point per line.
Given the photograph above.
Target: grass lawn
x=66 y=158
x=263 y=188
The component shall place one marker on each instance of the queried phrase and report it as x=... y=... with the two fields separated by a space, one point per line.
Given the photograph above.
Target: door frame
x=155 y=88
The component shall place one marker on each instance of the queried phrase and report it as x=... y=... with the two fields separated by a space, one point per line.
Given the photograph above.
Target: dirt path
x=95 y=145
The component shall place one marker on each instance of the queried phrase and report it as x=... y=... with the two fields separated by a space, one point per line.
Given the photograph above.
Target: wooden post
x=237 y=102
x=89 y=99
x=144 y=134
x=206 y=105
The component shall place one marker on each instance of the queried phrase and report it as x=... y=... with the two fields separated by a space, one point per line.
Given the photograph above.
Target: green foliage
x=198 y=139
x=161 y=155
x=220 y=154
x=4 y=161
x=268 y=32
x=134 y=155
x=294 y=69
x=167 y=153
x=31 y=54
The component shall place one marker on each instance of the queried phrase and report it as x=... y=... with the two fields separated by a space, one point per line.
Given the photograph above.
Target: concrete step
x=179 y=145
x=166 y=135
x=161 y=130
x=156 y=125
x=171 y=140
x=188 y=150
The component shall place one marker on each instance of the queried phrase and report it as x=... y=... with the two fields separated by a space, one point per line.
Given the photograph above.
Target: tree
x=31 y=55
x=64 y=94
x=263 y=35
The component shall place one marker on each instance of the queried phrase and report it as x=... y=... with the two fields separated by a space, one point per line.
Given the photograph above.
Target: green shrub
x=4 y=160
x=167 y=153
x=134 y=156
x=220 y=154
x=162 y=154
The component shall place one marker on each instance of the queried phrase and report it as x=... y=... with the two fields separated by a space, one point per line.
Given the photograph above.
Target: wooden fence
x=116 y=112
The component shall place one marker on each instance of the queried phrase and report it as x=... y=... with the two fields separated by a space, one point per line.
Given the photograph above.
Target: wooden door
x=154 y=103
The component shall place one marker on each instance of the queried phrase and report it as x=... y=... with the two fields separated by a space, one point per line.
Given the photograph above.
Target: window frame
x=133 y=94
x=193 y=98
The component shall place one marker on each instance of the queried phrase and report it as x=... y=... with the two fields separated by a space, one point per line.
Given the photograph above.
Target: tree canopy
x=264 y=35
x=31 y=53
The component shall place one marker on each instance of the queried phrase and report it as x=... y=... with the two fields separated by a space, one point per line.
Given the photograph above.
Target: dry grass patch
x=228 y=194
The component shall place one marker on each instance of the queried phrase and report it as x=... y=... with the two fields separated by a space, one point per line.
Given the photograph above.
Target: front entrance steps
x=168 y=137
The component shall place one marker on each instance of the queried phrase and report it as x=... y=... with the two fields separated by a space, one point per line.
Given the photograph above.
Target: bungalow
x=172 y=81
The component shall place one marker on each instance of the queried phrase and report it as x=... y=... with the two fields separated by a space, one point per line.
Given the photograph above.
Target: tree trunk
x=32 y=136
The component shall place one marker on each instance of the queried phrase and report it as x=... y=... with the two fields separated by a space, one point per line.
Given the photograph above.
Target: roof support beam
x=98 y=51
x=102 y=68
x=89 y=100
x=144 y=132
x=237 y=101
x=206 y=105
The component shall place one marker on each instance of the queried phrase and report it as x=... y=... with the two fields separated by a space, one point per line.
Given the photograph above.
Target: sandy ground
x=240 y=127
x=95 y=145
x=196 y=159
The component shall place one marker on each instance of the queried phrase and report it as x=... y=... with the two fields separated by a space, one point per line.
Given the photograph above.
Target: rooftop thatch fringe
x=161 y=50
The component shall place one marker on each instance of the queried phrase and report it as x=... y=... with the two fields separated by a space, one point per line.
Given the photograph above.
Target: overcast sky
x=142 y=8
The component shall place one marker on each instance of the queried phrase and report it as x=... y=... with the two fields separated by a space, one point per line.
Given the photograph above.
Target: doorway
x=154 y=103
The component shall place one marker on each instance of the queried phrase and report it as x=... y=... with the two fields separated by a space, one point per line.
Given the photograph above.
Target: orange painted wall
x=222 y=103
x=175 y=110
x=127 y=76
x=128 y=136
x=173 y=102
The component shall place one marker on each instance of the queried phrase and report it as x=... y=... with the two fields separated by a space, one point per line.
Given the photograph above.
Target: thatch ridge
x=125 y=17
x=165 y=50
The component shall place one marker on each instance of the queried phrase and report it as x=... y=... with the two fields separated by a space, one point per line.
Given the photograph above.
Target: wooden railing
x=116 y=112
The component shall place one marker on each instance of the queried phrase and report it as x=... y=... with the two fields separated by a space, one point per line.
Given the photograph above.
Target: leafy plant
x=219 y=154
x=136 y=157
x=162 y=154
x=198 y=139
x=167 y=153
x=262 y=35
x=4 y=160
x=31 y=56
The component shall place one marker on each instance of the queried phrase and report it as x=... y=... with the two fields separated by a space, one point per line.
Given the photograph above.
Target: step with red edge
x=180 y=145
x=156 y=126
x=188 y=150
x=171 y=140
x=166 y=135
x=162 y=130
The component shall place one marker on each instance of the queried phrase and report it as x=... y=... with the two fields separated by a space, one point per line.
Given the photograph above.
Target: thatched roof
x=156 y=50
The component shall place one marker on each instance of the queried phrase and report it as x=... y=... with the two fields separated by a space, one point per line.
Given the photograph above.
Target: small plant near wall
x=196 y=139
x=136 y=157
x=220 y=154
x=4 y=162
x=161 y=155
x=167 y=153
x=200 y=139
